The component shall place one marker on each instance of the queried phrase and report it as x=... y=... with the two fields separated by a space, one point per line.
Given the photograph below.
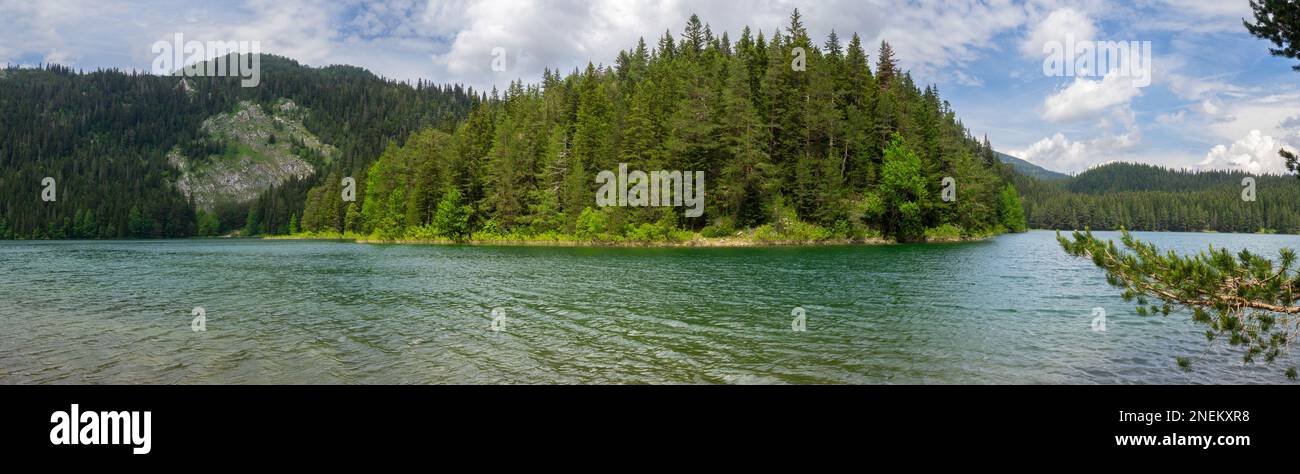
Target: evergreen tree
x=886 y=65
x=1277 y=21
x=452 y=218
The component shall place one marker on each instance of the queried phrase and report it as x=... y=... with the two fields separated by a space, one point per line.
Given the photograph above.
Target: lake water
x=1015 y=309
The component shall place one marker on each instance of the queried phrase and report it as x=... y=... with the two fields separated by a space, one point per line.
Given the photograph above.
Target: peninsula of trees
x=799 y=141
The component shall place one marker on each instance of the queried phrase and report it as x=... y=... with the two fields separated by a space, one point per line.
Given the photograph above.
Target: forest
x=1151 y=198
x=104 y=135
x=798 y=142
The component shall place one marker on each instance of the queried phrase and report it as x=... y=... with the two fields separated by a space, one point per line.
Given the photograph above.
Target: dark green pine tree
x=886 y=65
x=746 y=182
x=1277 y=21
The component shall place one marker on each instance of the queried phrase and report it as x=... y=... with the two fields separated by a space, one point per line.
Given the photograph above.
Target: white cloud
x=932 y=37
x=38 y=28
x=1199 y=16
x=1060 y=153
x=1208 y=9
x=398 y=38
x=1087 y=98
x=1238 y=117
x=1172 y=118
x=1291 y=124
x=1194 y=88
x=1256 y=153
x=1059 y=25
x=568 y=34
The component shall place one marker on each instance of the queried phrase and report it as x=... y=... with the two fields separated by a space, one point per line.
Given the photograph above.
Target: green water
x=1014 y=309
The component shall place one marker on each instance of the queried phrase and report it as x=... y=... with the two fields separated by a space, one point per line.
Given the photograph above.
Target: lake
x=1014 y=309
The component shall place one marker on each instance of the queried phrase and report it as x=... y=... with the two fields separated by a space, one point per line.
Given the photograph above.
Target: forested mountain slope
x=1146 y=197
x=1029 y=169
x=105 y=137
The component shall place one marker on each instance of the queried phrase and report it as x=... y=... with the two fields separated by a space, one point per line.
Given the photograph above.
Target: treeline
x=1151 y=198
x=796 y=140
x=104 y=135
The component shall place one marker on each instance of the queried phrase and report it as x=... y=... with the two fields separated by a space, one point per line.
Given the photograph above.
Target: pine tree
x=1277 y=21
x=886 y=65
x=451 y=220
x=746 y=181
x=693 y=40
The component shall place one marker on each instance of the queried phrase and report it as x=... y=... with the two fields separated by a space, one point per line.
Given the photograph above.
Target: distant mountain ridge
x=1153 y=198
x=1122 y=177
x=1029 y=169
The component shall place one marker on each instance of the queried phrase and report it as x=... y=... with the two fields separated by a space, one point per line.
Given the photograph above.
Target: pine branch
x=1253 y=298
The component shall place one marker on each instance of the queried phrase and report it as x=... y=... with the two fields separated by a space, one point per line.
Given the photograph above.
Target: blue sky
x=1217 y=99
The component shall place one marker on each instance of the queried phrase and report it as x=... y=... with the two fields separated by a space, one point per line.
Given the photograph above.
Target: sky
x=1214 y=99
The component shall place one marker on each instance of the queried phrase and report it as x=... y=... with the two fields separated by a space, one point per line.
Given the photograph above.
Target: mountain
x=138 y=155
x=1121 y=177
x=1153 y=198
x=1029 y=169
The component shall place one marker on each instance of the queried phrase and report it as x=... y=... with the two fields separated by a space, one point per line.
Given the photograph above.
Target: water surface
x=1015 y=309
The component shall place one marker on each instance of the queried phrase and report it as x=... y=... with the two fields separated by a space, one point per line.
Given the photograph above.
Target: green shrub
x=944 y=232
x=591 y=224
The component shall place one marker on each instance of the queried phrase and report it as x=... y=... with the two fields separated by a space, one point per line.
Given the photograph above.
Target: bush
x=944 y=232
x=662 y=231
x=591 y=224
x=723 y=227
x=451 y=220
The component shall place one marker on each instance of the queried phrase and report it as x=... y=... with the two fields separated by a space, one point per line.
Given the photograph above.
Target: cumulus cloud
x=1088 y=98
x=568 y=34
x=1059 y=25
x=1060 y=153
x=40 y=28
x=935 y=38
x=452 y=40
x=1056 y=152
x=1255 y=153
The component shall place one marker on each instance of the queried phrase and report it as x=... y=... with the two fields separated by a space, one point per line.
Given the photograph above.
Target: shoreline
x=697 y=242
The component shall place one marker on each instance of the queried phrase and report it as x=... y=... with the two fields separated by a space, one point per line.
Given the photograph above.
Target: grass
x=657 y=235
